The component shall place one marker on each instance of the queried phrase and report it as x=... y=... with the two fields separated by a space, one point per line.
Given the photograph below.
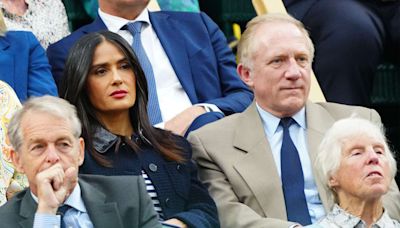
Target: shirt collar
x=114 y=23
x=271 y=122
x=74 y=199
x=103 y=140
x=345 y=219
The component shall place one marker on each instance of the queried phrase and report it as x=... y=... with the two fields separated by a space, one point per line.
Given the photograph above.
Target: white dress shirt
x=298 y=133
x=172 y=97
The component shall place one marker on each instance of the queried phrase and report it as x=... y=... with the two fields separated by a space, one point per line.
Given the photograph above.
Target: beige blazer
x=236 y=164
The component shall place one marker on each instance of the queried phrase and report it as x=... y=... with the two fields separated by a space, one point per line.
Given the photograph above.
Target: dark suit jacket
x=115 y=202
x=178 y=188
x=24 y=66
x=197 y=50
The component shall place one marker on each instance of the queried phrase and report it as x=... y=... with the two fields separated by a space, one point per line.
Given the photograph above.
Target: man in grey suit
x=259 y=165
x=45 y=136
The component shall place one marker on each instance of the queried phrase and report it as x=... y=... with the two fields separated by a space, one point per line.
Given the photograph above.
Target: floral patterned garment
x=339 y=218
x=10 y=180
x=46 y=19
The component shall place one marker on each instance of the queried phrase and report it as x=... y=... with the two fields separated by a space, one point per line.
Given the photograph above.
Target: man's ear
x=81 y=148
x=16 y=159
x=245 y=74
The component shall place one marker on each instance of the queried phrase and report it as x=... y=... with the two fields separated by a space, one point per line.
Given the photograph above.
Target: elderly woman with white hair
x=358 y=167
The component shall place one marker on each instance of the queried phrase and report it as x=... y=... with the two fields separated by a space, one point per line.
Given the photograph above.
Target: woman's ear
x=332 y=183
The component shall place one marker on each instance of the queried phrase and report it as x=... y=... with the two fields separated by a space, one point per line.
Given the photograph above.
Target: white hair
x=330 y=150
x=47 y=104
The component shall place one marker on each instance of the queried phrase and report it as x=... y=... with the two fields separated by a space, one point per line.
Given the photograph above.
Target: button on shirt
x=298 y=133
x=172 y=98
x=75 y=217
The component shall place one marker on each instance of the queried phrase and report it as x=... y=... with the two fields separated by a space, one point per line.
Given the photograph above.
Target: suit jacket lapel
x=258 y=168
x=318 y=122
x=95 y=26
x=102 y=213
x=27 y=210
x=168 y=33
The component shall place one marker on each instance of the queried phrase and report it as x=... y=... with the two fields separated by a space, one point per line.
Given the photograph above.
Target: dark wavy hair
x=73 y=89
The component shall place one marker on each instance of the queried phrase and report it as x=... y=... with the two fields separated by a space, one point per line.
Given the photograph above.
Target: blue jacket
x=197 y=50
x=178 y=188
x=24 y=65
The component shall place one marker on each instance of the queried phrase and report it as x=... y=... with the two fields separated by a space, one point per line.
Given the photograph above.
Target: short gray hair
x=47 y=104
x=248 y=42
x=330 y=150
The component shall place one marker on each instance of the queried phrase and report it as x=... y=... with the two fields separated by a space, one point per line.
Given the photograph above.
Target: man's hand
x=54 y=186
x=180 y=123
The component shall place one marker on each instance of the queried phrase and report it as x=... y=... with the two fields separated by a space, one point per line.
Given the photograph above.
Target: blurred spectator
x=350 y=38
x=179 y=5
x=11 y=181
x=45 y=18
x=23 y=64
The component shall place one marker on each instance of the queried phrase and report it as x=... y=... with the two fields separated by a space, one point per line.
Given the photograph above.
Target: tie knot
x=287 y=122
x=135 y=27
x=63 y=209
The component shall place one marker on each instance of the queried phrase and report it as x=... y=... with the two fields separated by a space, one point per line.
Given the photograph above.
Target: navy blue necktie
x=292 y=178
x=153 y=107
x=61 y=211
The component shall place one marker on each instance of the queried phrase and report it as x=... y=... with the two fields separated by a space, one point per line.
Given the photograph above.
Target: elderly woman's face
x=364 y=169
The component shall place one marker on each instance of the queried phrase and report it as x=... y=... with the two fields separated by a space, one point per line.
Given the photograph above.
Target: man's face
x=280 y=69
x=47 y=140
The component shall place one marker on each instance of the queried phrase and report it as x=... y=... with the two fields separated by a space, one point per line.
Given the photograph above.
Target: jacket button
x=153 y=167
x=167 y=202
x=178 y=167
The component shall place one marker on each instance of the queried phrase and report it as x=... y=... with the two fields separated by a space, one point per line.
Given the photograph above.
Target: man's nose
x=293 y=70
x=52 y=154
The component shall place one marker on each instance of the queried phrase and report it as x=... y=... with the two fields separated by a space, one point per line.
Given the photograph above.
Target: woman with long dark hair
x=104 y=80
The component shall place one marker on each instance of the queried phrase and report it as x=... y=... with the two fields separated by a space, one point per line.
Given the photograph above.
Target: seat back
x=153 y=5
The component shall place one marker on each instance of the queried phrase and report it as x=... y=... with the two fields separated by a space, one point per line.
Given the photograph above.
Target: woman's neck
x=369 y=211
x=118 y=124
x=17 y=7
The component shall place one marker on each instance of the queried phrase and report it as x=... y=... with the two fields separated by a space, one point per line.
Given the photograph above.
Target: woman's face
x=364 y=171
x=111 y=82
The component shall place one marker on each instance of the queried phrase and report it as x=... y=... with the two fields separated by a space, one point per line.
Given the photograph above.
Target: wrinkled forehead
x=279 y=35
x=34 y=122
x=358 y=140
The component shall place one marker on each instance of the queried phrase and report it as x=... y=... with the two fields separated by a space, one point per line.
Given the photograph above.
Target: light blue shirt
x=298 y=133
x=75 y=217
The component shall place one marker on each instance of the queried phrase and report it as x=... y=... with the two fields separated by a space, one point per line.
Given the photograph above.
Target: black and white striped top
x=153 y=195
